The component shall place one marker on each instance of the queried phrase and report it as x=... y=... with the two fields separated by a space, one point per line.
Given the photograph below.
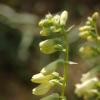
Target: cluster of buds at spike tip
x=53 y=24
x=89 y=31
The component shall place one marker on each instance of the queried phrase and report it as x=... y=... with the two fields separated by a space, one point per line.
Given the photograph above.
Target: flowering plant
x=53 y=27
x=54 y=30
x=90 y=87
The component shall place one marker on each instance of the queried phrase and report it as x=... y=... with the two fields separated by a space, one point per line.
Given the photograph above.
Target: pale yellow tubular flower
x=82 y=49
x=84 y=87
x=56 y=19
x=42 y=88
x=40 y=78
x=42 y=22
x=87 y=51
x=98 y=38
x=91 y=74
x=85 y=28
x=44 y=33
x=47 y=46
x=90 y=19
x=63 y=18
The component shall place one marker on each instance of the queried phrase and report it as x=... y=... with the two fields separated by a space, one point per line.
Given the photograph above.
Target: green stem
x=66 y=65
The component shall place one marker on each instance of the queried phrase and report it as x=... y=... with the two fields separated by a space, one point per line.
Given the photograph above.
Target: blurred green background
x=20 y=57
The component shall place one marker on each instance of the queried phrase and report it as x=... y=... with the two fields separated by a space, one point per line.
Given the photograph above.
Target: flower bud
x=84 y=34
x=54 y=96
x=95 y=15
x=49 y=16
x=98 y=38
x=90 y=19
x=55 y=29
x=91 y=74
x=52 y=66
x=83 y=88
x=40 y=78
x=56 y=20
x=43 y=22
x=88 y=51
x=90 y=38
x=81 y=50
x=55 y=74
x=44 y=32
x=47 y=46
x=63 y=18
x=42 y=88
x=88 y=22
x=85 y=28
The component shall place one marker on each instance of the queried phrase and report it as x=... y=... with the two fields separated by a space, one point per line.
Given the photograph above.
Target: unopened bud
x=84 y=34
x=56 y=19
x=47 y=46
x=98 y=38
x=45 y=32
x=42 y=89
x=81 y=50
x=49 y=16
x=90 y=19
x=43 y=22
x=85 y=28
x=91 y=74
x=83 y=88
x=95 y=15
x=40 y=78
x=90 y=38
x=88 y=51
x=88 y=23
x=63 y=18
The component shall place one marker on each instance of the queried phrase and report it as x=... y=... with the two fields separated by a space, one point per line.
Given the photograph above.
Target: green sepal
x=52 y=66
x=54 y=96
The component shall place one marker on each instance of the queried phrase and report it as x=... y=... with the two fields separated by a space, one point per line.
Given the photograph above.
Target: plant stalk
x=65 y=65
